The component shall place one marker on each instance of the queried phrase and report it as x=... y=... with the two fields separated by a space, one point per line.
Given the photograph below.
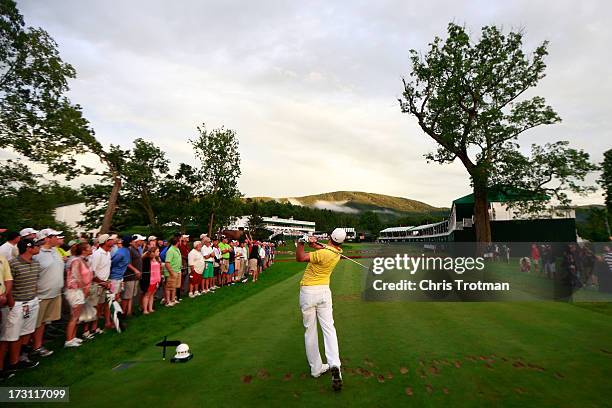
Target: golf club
x=336 y=252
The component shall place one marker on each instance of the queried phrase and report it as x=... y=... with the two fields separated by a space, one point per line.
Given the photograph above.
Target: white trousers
x=316 y=303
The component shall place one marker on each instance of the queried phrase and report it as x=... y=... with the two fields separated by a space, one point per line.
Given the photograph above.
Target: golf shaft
x=342 y=256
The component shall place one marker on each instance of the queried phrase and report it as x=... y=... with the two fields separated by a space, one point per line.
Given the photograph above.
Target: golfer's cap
x=73 y=242
x=196 y=243
x=103 y=238
x=152 y=238
x=27 y=231
x=138 y=237
x=47 y=232
x=338 y=235
x=114 y=236
x=202 y=236
x=185 y=236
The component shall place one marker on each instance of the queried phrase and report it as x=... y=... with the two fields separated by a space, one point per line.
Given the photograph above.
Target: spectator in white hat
x=101 y=268
x=196 y=269
x=151 y=242
x=50 y=285
x=23 y=311
x=28 y=233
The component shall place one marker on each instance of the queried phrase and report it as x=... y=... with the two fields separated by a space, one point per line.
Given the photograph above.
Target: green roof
x=504 y=195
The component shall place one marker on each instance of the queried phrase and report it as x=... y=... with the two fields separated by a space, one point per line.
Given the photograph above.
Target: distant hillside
x=357 y=202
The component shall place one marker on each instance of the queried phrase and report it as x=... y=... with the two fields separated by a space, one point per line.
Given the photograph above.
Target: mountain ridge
x=357 y=202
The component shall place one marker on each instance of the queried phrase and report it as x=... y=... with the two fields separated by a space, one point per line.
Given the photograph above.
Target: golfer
x=316 y=303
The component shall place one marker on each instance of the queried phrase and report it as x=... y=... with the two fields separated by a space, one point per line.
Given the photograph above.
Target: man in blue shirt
x=119 y=264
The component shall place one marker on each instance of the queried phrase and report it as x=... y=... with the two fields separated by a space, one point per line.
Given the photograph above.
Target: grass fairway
x=248 y=351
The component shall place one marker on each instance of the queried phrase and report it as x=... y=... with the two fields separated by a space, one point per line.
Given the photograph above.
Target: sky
x=311 y=87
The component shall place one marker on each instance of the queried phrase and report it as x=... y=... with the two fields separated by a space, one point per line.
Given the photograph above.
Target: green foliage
x=370 y=222
x=219 y=171
x=145 y=165
x=29 y=201
x=553 y=162
x=591 y=225
x=36 y=118
x=465 y=96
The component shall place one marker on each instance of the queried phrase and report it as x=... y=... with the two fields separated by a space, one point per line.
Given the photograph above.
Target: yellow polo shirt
x=5 y=274
x=321 y=265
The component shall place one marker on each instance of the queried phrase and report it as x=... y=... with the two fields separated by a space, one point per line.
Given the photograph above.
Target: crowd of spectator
x=44 y=280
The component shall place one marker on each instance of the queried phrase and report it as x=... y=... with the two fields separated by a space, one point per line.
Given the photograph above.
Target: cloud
x=311 y=88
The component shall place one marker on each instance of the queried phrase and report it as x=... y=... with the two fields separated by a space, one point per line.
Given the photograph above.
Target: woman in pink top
x=151 y=265
x=78 y=280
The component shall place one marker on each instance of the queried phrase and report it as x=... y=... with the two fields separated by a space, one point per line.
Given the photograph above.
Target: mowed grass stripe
x=426 y=338
x=66 y=367
x=261 y=336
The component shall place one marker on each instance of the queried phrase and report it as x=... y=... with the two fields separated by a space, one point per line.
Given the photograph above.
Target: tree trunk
x=210 y=224
x=112 y=205
x=482 y=223
x=146 y=204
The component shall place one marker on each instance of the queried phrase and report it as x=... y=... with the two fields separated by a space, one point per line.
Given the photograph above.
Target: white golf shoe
x=324 y=369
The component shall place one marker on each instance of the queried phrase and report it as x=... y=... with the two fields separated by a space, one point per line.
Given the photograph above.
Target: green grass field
x=248 y=351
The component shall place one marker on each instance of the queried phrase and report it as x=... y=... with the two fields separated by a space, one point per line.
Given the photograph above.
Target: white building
x=285 y=226
x=71 y=215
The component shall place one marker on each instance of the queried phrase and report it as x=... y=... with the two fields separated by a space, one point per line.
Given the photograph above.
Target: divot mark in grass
x=429 y=388
x=519 y=390
x=434 y=370
x=403 y=370
x=445 y=390
x=457 y=363
x=389 y=375
x=303 y=376
x=368 y=362
x=296 y=394
x=287 y=377
x=559 y=375
x=409 y=391
x=605 y=351
x=381 y=378
x=518 y=364
x=247 y=379
x=263 y=374
x=489 y=366
x=535 y=367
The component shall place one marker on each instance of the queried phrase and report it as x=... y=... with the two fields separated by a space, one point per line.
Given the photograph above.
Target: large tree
x=466 y=96
x=145 y=166
x=37 y=120
x=219 y=158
